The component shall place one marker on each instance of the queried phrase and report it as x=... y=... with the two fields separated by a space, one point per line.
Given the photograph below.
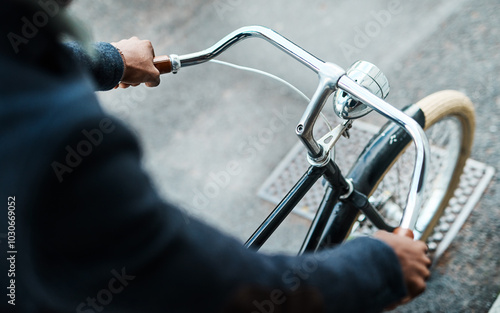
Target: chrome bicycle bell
x=368 y=76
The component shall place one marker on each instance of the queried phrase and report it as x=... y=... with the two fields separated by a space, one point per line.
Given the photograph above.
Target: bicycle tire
x=373 y=168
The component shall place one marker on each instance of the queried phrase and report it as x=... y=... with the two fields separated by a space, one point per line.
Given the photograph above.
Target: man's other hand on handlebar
x=415 y=263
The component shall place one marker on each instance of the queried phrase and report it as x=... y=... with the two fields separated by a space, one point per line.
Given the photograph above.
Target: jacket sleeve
x=102 y=60
x=107 y=237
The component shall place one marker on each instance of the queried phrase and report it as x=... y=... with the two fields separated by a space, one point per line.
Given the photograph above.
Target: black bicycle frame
x=335 y=217
x=290 y=201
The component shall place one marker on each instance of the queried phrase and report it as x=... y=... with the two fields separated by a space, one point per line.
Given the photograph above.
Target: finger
x=425 y=260
x=422 y=246
x=154 y=80
x=417 y=287
x=153 y=84
x=124 y=85
x=421 y=268
x=428 y=261
x=426 y=273
x=415 y=291
x=405 y=300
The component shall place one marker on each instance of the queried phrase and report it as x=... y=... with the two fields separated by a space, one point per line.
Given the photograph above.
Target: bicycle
x=447 y=118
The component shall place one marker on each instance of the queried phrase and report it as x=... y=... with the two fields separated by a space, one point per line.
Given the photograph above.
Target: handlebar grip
x=163 y=64
x=404 y=232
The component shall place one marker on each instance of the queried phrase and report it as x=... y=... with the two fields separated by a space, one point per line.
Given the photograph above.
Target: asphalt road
x=210 y=120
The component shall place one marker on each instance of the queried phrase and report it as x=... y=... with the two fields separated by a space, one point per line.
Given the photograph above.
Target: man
x=88 y=233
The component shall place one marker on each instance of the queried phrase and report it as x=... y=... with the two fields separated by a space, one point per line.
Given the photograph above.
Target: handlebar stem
x=328 y=77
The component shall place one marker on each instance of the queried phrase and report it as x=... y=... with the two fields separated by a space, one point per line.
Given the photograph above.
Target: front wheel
x=384 y=169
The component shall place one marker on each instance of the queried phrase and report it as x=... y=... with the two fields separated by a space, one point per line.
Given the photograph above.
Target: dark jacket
x=91 y=233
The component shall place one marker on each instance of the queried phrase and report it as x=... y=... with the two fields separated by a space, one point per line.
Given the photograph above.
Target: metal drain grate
x=473 y=182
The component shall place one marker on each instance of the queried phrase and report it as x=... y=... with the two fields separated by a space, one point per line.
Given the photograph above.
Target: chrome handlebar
x=331 y=77
x=265 y=33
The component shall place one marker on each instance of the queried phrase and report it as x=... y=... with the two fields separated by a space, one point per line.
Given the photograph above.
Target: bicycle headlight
x=368 y=76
